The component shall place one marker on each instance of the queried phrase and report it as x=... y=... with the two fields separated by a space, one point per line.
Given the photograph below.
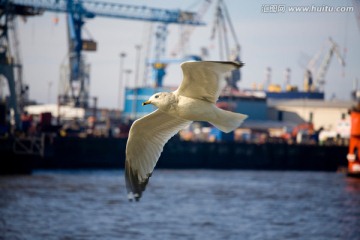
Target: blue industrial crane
x=79 y=10
x=159 y=67
x=222 y=27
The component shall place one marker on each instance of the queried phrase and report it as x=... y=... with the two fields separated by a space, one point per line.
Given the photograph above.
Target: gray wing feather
x=204 y=80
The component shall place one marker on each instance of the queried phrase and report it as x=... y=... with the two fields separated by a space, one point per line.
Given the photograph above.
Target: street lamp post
x=49 y=91
x=137 y=65
x=127 y=79
x=127 y=76
x=121 y=85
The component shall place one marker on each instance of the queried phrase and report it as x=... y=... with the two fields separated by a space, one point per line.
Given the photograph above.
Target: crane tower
x=78 y=11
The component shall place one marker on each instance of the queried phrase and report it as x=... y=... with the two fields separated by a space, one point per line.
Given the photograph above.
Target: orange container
x=355 y=123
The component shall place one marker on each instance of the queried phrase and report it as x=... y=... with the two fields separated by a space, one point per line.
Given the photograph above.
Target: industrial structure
x=222 y=31
x=314 y=76
x=277 y=114
x=76 y=89
x=317 y=84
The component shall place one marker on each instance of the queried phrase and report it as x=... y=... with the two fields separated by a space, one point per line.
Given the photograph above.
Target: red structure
x=353 y=156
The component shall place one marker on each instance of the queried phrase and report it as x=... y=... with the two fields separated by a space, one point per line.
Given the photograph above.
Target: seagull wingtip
x=133 y=196
x=239 y=64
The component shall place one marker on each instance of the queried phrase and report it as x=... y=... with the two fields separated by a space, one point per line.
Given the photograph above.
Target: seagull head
x=159 y=100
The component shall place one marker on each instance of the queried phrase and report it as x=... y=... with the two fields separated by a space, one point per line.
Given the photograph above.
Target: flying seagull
x=194 y=100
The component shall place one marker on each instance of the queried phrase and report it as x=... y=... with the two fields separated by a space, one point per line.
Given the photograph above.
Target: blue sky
x=276 y=40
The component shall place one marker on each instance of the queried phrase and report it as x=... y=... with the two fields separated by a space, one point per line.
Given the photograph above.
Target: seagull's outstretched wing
x=147 y=137
x=204 y=80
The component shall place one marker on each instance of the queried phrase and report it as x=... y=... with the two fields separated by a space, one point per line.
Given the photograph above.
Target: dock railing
x=30 y=145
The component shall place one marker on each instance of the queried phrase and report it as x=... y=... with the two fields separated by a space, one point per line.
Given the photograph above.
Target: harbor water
x=181 y=204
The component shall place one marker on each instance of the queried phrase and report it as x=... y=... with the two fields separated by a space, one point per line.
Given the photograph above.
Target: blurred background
x=73 y=75
x=279 y=41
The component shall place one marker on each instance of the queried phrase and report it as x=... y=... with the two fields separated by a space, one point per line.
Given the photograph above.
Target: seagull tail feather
x=227 y=121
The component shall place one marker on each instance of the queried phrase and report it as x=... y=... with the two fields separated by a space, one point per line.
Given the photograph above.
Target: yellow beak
x=146 y=103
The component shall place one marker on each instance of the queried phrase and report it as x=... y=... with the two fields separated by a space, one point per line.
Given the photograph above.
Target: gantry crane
x=222 y=25
x=158 y=64
x=77 y=12
x=318 y=83
x=186 y=32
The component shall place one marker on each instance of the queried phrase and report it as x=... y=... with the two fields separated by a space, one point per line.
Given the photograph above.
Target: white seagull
x=194 y=100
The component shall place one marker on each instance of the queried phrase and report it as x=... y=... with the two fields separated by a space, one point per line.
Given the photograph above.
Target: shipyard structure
x=289 y=127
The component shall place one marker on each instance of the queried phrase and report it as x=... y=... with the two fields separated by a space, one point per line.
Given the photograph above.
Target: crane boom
x=77 y=90
x=189 y=29
x=91 y=9
x=320 y=77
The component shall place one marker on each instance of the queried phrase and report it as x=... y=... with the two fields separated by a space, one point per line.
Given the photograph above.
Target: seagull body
x=194 y=100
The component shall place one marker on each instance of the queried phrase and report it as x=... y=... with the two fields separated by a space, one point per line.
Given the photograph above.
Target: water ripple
x=181 y=205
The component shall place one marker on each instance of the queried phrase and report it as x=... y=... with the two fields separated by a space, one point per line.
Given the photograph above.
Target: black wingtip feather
x=134 y=187
x=234 y=63
x=239 y=64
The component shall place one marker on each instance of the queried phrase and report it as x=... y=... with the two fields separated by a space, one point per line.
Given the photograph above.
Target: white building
x=327 y=114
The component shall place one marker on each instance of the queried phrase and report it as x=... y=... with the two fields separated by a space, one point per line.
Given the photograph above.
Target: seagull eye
x=156 y=96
